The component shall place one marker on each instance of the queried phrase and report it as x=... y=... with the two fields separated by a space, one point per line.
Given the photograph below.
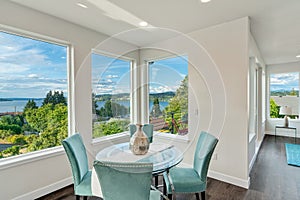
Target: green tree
x=52 y=125
x=178 y=105
x=293 y=92
x=274 y=109
x=112 y=109
x=12 y=120
x=155 y=111
x=30 y=105
x=55 y=97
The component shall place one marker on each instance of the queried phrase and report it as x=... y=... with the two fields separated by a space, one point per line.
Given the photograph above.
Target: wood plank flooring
x=271 y=179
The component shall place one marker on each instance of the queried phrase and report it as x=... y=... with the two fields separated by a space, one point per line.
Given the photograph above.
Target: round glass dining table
x=163 y=156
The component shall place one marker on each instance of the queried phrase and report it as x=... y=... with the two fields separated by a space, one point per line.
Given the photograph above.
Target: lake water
x=19 y=104
x=162 y=104
x=16 y=105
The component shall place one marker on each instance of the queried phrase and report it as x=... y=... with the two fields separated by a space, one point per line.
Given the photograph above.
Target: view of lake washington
x=17 y=105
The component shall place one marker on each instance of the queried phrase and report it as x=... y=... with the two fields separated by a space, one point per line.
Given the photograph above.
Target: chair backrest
x=147 y=128
x=124 y=181
x=204 y=150
x=76 y=153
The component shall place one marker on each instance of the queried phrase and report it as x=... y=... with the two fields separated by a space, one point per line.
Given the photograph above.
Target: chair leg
x=164 y=187
x=203 y=195
x=85 y=198
x=156 y=181
x=77 y=197
x=197 y=196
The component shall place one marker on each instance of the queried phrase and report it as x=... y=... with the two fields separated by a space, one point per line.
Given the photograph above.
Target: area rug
x=293 y=154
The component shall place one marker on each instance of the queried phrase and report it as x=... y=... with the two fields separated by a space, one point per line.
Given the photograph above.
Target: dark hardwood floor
x=271 y=178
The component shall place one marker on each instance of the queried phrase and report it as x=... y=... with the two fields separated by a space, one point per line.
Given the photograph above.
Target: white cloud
x=33 y=76
x=10 y=68
x=112 y=76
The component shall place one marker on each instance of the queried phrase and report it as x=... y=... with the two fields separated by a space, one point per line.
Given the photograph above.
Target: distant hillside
x=1 y=99
x=284 y=93
x=165 y=96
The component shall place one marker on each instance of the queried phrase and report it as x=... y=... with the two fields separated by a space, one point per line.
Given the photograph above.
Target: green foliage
x=10 y=120
x=17 y=139
x=112 y=109
x=30 y=105
x=294 y=92
x=274 y=109
x=155 y=111
x=5 y=133
x=56 y=97
x=38 y=118
x=109 y=128
x=15 y=129
x=52 y=125
x=178 y=105
x=11 y=151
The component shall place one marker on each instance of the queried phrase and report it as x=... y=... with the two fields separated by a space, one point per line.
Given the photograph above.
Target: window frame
x=133 y=96
x=146 y=95
x=269 y=94
x=57 y=150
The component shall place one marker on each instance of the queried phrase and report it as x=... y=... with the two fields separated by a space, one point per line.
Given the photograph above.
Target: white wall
x=38 y=177
x=256 y=61
x=218 y=71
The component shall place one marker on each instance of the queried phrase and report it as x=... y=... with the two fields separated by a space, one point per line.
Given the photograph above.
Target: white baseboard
x=223 y=177
x=45 y=190
x=229 y=179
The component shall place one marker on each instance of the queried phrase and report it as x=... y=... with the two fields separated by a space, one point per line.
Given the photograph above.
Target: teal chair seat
x=185 y=180
x=76 y=153
x=192 y=180
x=126 y=181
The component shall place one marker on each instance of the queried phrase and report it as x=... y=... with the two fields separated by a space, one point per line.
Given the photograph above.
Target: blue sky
x=31 y=68
x=284 y=81
x=111 y=75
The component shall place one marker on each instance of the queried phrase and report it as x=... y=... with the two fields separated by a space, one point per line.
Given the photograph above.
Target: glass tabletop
x=163 y=156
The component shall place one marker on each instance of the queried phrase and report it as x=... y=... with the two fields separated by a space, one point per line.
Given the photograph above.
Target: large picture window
x=284 y=91
x=168 y=95
x=33 y=92
x=111 y=95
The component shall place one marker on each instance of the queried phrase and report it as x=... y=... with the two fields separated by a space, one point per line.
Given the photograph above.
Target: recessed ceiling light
x=81 y=5
x=205 y=1
x=298 y=56
x=143 y=24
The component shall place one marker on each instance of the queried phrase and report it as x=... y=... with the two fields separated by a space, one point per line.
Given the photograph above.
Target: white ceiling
x=274 y=23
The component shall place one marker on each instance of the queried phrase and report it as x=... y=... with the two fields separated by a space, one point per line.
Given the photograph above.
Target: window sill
x=177 y=138
x=109 y=138
x=125 y=135
x=30 y=157
x=281 y=119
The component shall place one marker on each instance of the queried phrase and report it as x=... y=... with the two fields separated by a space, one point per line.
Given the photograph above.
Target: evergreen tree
x=30 y=105
x=55 y=97
x=155 y=111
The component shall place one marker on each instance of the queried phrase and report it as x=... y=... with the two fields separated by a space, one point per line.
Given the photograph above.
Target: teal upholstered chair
x=76 y=153
x=192 y=180
x=147 y=128
x=126 y=181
